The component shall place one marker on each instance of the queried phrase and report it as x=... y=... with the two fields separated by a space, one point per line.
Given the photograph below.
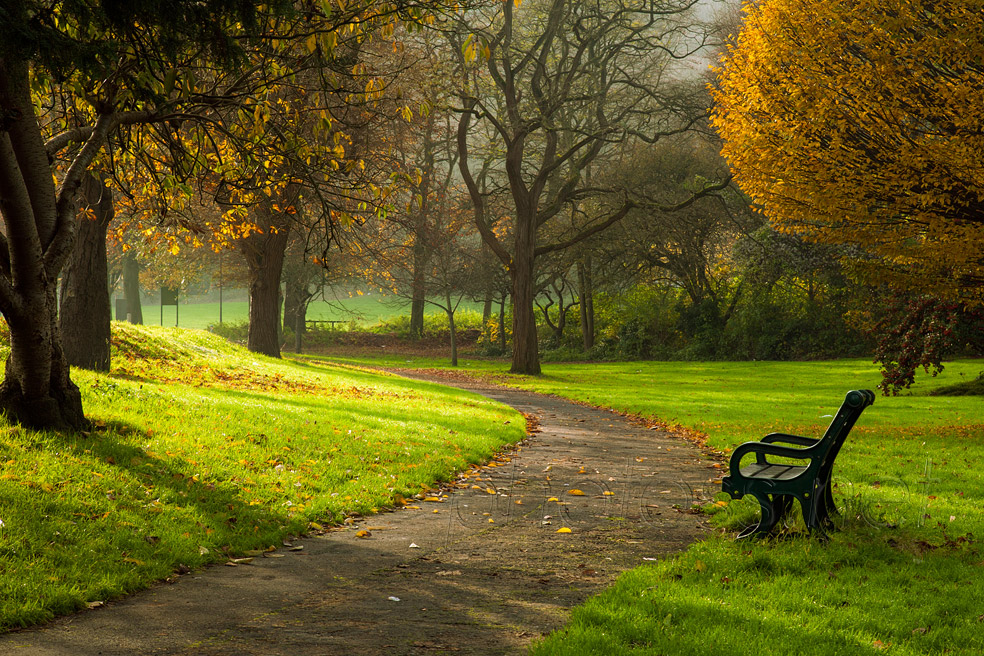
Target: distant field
x=365 y=310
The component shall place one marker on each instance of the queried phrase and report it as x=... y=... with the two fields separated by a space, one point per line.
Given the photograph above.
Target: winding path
x=484 y=571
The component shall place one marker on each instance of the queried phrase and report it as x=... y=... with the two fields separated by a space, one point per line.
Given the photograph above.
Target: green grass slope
x=201 y=451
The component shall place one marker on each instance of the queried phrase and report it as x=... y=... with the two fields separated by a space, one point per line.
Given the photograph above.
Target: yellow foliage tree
x=863 y=123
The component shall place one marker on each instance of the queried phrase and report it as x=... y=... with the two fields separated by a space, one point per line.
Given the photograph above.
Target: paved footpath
x=483 y=571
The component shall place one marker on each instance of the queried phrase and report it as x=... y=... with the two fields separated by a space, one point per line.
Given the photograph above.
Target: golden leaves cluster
x=863 y=123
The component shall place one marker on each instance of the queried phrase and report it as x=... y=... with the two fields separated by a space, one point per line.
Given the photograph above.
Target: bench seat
x=774 y=472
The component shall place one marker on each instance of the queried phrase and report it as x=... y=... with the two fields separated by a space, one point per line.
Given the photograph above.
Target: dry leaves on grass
x=171 y=372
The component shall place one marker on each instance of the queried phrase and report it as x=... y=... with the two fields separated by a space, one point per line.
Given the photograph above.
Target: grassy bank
x=202 y=451
x=905 y=575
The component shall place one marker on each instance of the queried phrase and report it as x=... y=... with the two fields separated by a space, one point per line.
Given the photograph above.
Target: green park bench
x=776 y=485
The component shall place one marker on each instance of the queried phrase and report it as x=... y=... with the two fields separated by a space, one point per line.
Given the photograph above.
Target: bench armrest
x=789 y=439
x=762 y=449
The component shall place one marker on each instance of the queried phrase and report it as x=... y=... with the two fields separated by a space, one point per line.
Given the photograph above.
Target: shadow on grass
x=218 y=509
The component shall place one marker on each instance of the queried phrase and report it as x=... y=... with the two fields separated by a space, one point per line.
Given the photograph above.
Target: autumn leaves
x=860 y=123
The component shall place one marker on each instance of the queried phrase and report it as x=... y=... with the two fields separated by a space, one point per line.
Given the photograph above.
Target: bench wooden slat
x=774 y=472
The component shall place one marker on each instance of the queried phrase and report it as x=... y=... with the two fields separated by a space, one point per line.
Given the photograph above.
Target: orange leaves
x=841 y=124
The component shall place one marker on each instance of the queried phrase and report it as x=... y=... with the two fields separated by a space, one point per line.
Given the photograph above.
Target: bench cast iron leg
x=815 y=512
x=770 y=515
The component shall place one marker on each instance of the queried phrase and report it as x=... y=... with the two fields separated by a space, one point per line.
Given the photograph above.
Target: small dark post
x=169 y=296
x=298 y=330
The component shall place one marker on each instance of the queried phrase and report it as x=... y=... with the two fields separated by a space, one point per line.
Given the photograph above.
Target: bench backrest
x=854 y=404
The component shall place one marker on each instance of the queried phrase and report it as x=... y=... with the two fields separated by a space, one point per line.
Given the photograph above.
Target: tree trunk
x=264 y=254
x=486 y=316
x=502 y=323
x=454 y=334
x=297 y=295
x=561 y=322
x=300 y=319
x=587 y=302
x=419 y=290
x=85 y=311
x=417 y=313
x=131 y=288
x=298 y=275
x=39 y=229
x=526 y=356
x=295 y=298
x=38 y=401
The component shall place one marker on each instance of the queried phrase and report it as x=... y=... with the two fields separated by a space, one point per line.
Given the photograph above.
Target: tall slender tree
x=551 y=87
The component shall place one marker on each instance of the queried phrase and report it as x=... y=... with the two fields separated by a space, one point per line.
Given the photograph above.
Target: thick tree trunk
x=131 y=288
x=50 y=401
x=39 y=229
x=526 y=356
x=85 y=311
x=587 y=302
x=264 y=254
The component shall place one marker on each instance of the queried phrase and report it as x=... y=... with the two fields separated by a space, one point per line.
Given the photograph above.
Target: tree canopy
x=74 y=72
x=863 y=123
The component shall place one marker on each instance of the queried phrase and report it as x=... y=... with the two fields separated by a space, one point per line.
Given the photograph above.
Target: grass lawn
x=201 y=451
x=905 y=575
